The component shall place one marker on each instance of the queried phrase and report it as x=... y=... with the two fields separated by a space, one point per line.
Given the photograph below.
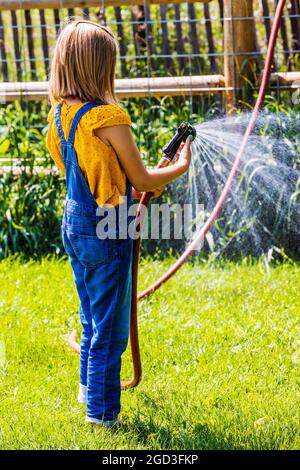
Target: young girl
x=90 y=140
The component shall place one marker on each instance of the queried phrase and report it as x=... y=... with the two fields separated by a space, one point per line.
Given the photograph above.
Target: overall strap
x=128 y=190
x=58 y=123
x=77 y=118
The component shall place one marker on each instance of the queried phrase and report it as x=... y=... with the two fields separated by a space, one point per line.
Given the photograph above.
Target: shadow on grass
x=146 y=430
x=198 y=437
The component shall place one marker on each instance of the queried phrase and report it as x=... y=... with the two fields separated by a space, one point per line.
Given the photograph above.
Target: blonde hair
x=84 y=62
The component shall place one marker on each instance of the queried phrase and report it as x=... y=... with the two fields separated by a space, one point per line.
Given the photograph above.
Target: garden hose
x=214 y=214
x=222 y=199
x=134 y=342
x=169 y=152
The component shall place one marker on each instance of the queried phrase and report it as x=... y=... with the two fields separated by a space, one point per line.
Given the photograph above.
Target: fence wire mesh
x=166 y=40
x=155 y=40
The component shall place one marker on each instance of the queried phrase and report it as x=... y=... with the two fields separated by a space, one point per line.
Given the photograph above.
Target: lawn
x=220 y=351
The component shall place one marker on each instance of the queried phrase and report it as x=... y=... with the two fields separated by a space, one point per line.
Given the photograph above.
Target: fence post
x=3 y=52
x=210 y=39
x=239 y=43
x=30 y=43
x=17 y=49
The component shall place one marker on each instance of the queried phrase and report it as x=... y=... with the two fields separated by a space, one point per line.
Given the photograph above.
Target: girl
x=90 y=140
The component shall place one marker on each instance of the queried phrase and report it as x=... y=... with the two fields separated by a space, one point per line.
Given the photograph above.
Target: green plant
x=30 y=214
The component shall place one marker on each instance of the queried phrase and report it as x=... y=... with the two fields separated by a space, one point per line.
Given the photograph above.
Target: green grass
x=220 y=351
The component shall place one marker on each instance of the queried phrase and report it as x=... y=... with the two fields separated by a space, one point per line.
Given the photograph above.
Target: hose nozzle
x=184 y=130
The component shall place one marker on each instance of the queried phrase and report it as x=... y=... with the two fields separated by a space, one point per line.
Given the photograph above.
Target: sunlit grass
x=220 y=351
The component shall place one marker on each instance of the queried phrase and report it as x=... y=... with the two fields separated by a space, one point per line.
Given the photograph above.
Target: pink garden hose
x=222 y=199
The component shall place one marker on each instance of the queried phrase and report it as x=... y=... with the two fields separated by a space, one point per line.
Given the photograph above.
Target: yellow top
x=97 y=160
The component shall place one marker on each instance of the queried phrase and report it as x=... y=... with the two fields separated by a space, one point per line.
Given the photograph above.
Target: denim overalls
x=102 y=274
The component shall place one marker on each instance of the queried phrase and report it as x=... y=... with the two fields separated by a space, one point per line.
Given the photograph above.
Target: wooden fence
x=220 y=43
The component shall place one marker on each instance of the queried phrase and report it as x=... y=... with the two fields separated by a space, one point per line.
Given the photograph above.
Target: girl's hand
x=184 y=155
x=176 y=158
x=183 y=158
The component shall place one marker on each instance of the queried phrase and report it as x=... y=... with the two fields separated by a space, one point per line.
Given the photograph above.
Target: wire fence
x=154 y=40
x=166 y=40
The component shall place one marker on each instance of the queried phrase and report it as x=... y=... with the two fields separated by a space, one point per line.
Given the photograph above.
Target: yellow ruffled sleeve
x=106 y=116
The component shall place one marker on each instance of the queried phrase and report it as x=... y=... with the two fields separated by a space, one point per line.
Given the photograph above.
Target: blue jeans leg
x=109 y=290
x=84 y=309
